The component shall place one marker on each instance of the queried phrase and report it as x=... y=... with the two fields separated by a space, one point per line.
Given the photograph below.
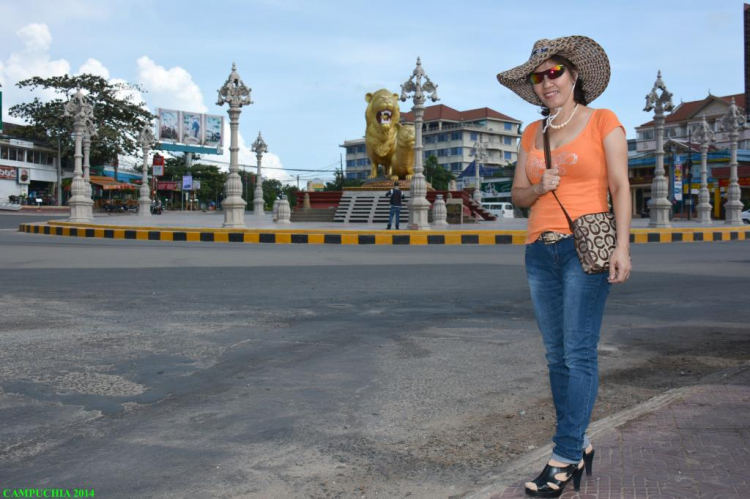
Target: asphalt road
x=11 y=221
x=173 y=370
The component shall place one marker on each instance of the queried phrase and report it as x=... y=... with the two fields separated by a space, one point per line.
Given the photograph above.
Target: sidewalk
x=691 y=443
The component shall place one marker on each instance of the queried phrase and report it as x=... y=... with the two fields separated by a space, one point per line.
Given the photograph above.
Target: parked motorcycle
x=156 y=207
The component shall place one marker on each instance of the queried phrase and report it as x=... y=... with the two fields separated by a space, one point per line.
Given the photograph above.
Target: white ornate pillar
x=418 y=205
x=440 y=212
x=82 y=113
x=733 y=122
x=144 y=201
x=659 y=100
x=259 y=147
x=236 y=94
x=480 y=154
x=89 y=132
x=284 y=213
x=704 y=135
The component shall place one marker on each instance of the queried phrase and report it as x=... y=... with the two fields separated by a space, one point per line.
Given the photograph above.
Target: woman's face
x=554 y=93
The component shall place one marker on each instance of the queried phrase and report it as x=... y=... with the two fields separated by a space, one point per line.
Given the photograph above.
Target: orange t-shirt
x=583 y=175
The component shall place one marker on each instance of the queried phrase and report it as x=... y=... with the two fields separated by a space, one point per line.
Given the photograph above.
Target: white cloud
x=31 y=60
x=93 y=67
x=34 y=59
x=172 y=88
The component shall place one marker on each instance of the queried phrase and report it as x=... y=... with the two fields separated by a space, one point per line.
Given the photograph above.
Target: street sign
x=197 y=185
x=187 y=183
x=158 y=170
x=677 y=189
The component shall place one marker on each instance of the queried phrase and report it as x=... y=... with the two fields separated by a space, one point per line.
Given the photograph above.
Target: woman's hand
x=619 y=266
x=550 y=181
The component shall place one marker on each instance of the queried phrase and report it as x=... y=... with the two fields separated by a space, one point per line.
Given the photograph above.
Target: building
x=679 y=146
x=27 y=167
x=450 y=135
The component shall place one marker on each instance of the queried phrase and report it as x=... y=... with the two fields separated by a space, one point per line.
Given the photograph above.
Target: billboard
x=190 y=129
x=169 y=125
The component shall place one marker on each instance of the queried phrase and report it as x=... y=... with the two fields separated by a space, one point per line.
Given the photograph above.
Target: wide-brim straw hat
x=589 y=58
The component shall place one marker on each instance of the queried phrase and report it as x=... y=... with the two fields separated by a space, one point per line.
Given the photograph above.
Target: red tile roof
x=686 y=110
x=443 y=112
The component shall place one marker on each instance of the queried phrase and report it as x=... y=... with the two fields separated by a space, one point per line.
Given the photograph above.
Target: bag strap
x=548 y=160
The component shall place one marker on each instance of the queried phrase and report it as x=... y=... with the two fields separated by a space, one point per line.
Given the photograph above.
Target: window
x=646 y=135
x=442 y=137
x=507 y=141
x=456 y=151
x=474 y=136
x=507 y=155
x=3 y=152
x=429 y=139
x=508 y=126
x=12 y=154
x=442 y=152
x=50 y=159
x=456 y=167
x=361 y=148
x=455 y=135
x=350 y=163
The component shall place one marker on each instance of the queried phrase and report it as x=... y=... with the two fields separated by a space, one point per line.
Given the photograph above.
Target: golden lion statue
x=388 y=143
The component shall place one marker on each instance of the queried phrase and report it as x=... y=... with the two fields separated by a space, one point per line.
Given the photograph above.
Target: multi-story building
x=27 y=167
x=450 y=135
x=679 y=145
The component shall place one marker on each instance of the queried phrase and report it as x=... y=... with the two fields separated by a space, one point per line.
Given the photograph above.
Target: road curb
x=519 y=469
x=356 y=237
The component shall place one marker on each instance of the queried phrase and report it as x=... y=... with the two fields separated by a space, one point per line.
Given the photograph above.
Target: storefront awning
x=109 y=184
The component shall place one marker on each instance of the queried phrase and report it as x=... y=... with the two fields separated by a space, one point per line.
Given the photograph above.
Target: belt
x=552 y=237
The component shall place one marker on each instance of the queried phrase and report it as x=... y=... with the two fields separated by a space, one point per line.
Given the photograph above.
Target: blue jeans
x=395 y=212
x=569 y=305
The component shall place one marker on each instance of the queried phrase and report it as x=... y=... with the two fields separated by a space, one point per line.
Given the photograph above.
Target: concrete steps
x=313 y=215
x=367 y=207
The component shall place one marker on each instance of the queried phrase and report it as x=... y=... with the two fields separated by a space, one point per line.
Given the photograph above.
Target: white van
x=500 y=210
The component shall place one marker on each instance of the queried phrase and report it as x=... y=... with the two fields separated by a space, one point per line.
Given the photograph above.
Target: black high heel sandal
x=573 y=472
x=588 y=461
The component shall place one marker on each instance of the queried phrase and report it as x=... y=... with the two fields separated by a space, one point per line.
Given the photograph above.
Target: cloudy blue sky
x=309 y=64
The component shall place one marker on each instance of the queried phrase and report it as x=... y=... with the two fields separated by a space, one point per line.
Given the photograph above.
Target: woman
x=589 y=160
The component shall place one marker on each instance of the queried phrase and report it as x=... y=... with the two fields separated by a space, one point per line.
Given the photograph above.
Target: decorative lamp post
x=704 y=135
x=660 y=205
x=480 y=155
x=145 y=140
x=236 y=94
x=418 y=205
x=733 y=122
x=87 y=134
x=82 y=113
x=259 y=148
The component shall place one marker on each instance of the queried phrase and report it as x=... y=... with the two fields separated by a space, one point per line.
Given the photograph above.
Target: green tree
x=211 y=178
x=290 y=191
x=272 y=190
x=436 y=175
x=340 y=181
x=117 y=115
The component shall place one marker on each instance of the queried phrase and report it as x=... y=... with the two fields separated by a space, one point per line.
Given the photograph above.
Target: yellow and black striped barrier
x=358 y=237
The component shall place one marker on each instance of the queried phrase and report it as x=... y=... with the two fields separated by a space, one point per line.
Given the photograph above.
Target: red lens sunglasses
x=552 y=74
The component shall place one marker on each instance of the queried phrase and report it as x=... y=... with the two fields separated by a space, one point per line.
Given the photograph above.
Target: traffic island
x=349 y=236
